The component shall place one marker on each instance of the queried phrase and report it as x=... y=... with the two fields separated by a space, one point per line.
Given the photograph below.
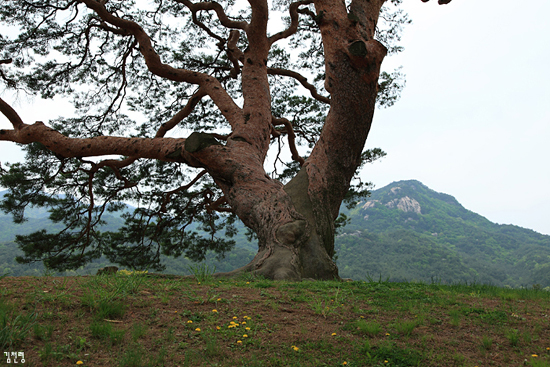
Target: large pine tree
x=143 y=74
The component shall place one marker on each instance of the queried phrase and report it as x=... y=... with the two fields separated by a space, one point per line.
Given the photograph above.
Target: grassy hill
x=139 y=321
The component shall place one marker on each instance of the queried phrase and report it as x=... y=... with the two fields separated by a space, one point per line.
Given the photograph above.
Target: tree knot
x=199 y=141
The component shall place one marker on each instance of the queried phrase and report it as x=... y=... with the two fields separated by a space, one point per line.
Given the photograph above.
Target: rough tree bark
x=294 y=222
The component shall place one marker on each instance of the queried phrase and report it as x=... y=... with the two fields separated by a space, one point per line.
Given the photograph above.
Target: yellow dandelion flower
x=235 y=317
x=215 y=311
x=534 y=355
x=345 y=363
x=247 y=282
x=239 y=342
x=243 y=323
x=189 y=321
x=79 y=362
x=333 y=334
x=218 y=328
x=247 y=318
x=247 y=328
x=198 y=329
x=387 y=334
x=295 y=348
x=385 y=361
x=219 y=299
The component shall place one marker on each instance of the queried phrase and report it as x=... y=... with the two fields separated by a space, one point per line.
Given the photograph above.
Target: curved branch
x=440 y=2
x=116 y=165
x=183 y=113
x=11 y=115
x=291 y=138
x=212 y=5
x=234 y=53
x=216 y=205
x=300 y=78
x=211 y=85
x=294 y=18
x=168 y=194
x=221 y=41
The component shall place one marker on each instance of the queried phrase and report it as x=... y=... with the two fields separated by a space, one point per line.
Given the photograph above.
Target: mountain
x=403 y=232
x=406 y=231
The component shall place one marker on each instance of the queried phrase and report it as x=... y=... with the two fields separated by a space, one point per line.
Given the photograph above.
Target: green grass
x=106 y=331
x=370 y=329
x=138 y=320
x=14 y=325
x=202 y=272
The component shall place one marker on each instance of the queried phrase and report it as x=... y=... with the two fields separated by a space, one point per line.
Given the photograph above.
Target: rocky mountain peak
x=395 y=190
x=405 y=204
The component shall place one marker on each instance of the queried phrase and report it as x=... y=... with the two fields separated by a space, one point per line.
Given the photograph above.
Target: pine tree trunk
x=294 y=242
x=295 y=223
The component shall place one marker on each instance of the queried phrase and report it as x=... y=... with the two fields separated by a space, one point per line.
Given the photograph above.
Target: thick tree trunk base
x=280 y=263
x=298 y=240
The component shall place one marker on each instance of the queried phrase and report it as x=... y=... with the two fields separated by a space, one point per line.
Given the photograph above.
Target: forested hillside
x=407 y=231
x=404 y=231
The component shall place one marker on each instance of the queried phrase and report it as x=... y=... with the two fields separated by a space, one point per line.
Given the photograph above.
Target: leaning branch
x=165 y=149
x=217 y=206
x=116 y=165
x=294 y=18
x=11 y=115
x=211 y=85
x=183 y=113
x=168 y=195
x=234 y=54
x=300 y=78
x=291 y=138
x=212 y=5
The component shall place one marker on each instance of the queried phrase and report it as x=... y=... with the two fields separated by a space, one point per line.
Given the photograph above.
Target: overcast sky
x=474 y=118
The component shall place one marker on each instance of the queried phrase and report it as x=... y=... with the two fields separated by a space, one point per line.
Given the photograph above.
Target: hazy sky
x=474 y=118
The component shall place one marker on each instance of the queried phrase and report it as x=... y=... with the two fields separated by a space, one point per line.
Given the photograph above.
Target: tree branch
x=183 y=113
x=294 y=20
x=165 y=149
x=234 y=54
x=168 y=194
x=216 y=205
x=11 y=115
x=212 y=5
x=194 y=9
x=291 y=138
x=211 y=85
x=116 y=165
x=440 y=2
x=300 y=78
